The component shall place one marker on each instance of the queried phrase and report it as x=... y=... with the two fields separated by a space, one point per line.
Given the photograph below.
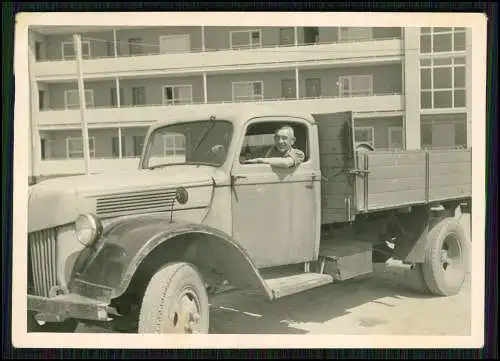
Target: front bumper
x=60 y=308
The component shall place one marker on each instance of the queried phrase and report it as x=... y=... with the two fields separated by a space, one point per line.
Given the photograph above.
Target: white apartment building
x=408 y=87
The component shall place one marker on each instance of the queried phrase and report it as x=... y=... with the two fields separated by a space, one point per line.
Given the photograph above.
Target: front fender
x=107 y=271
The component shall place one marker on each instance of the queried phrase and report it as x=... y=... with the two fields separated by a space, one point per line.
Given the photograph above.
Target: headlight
x=88 y=229
x=181 y=195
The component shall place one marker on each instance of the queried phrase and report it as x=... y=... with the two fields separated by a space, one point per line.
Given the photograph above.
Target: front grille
x=136 y=202
x=42 y=258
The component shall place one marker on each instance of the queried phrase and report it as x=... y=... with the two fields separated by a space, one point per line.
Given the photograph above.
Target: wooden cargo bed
x=381 y=180
x=395 y=179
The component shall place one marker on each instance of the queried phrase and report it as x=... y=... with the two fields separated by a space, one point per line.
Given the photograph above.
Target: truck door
x=275 y=210
x=337 y=162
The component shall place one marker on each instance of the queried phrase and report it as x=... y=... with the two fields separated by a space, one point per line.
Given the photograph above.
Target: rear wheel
x=446 y=258
x=175 y=301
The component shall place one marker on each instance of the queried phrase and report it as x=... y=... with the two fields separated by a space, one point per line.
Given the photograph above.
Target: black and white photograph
x=250 y=179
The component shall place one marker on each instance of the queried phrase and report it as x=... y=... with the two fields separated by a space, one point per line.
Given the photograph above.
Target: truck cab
x=149 y=247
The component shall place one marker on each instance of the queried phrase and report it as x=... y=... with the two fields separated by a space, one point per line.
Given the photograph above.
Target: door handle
x=311 y=184
x=236 y=177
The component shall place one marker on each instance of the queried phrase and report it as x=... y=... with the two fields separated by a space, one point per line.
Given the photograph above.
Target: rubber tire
x=165 y=286
x=68 y=326
x=432 y=271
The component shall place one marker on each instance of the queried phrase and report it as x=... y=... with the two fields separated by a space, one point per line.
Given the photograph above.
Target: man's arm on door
x=292 y=159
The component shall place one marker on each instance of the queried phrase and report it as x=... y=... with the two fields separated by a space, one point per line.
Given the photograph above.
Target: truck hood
x=59 y=201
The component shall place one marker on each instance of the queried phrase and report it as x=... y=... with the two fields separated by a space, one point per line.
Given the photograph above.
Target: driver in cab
x=282 y=154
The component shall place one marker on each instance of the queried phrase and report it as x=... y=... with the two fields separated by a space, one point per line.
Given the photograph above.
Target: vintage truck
x=148 y=248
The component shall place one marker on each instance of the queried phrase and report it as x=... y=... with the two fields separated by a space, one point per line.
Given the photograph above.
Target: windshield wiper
x=209 y=128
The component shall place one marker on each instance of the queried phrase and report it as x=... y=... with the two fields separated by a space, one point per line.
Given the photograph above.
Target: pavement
x=385 y=303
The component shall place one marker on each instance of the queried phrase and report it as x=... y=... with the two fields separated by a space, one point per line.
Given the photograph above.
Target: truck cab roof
x=233 y=115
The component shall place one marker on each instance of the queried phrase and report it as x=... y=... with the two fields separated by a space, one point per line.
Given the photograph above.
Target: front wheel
x=445 y=265
x=175 y=301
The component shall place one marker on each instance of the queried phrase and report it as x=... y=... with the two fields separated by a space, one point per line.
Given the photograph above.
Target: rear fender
x=421 y=220
x=132 y=250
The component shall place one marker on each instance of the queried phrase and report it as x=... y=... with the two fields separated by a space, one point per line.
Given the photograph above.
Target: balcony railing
x=249 y=99
x=154 y=49
x=345 y=54
x=144 y=115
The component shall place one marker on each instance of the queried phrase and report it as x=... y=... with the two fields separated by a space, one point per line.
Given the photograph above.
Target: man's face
x=283 y=140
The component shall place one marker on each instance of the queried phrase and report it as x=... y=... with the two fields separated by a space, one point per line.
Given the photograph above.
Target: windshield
x=200 y=142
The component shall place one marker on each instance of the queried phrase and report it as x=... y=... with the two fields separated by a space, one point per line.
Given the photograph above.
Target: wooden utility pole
x=77 y=41
x=34 y=105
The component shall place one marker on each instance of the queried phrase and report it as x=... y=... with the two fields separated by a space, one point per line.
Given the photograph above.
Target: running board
x=289 y=285
x=340 y=259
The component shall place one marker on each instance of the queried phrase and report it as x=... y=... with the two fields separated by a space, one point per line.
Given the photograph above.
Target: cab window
x=259 y=139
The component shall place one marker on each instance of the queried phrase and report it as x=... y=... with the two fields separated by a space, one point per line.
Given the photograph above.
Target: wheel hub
x=193 y=319
x=451 y=258
x=445 y=259
x=186 y=316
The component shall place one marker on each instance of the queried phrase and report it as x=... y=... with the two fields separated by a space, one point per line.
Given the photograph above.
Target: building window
x=460 y=134
x=356 y=85
x=313 y=88
x=288 y=89
x=287 y=36
x=139 y=95
x=74 y=147
x=38 y=50
x=442 y=83
x=115 y=147
x=259 y=140
x=241 y=39
x=354 y=34
x=365 y=135
x=248 y=91
x=174 y=44
x=68 y=50
x=135 y=46
x=41 y=99
x=426 y=134
x=45 y=148
x=311 y=35
x=177 y=94
x=174 y=145
x=396 y=137
x=110 y=48
x=438 y=40
x=138 y=145
x=72 y=101
x=449 y=131
x=114 y=99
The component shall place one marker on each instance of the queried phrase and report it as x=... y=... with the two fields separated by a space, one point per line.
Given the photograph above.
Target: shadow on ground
x=238 y=313
x=388 y=296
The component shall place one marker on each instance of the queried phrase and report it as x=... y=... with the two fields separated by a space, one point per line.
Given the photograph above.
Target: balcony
x=104 y=122
x=145 y=115
x=225 y=60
